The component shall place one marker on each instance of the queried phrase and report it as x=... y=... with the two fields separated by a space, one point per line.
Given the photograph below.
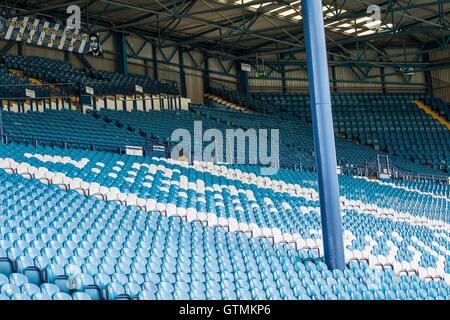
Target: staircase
x=433 y=114
x=226 y=103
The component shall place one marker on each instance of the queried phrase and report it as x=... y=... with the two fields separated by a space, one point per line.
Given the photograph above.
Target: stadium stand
x=348 y=153
x=70 y=80
x=234 y=235
x=390 y=123
x=93 y=206
x=69 y=126
x=123 y=128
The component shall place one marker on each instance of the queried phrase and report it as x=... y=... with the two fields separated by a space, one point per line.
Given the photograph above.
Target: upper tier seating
x=131 y=79
x=440 y=106
x=388 y=122
x=13 y=86
x=265 y=243
x=46 y=69
x=246 y=101
x=62 y=72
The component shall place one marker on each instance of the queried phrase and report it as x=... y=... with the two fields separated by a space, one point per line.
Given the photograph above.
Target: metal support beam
x=85 y=62
x=1 y=122
x=66 y=56
x=283 y=75
x=183 y=90
x=427 y=73
x=121 y=48
x=333 y=75
x=155 y=62
x=383 y=79
x=323 y=133
x=146 y=68
x=242 y=79
x=206 y=73
x=19 y=48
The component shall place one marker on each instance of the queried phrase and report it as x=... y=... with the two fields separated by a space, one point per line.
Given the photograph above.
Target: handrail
x=73 y=144
x=101 y=88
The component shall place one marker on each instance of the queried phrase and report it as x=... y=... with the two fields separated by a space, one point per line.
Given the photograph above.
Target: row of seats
x=390 y=123
x=128 y=82
x=226 y=196
x=442 y=108
x=106 y=250
x=62 y=72
x=16 y=286
x=296 y=140
x=69 y=126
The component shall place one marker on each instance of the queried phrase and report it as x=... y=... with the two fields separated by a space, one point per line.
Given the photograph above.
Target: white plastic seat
x=233 y=225
x=203 y=218
x=131 y=199
x=150 y=204
x=223 y=222
x=212 y=220
x=122 y=198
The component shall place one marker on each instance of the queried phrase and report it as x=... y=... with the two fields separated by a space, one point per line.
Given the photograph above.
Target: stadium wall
x=440 y=78
x=368 y=77
x=289 y=76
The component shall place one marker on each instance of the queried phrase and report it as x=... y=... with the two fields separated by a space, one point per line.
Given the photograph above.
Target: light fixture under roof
x=359 y=26
x=289 y=11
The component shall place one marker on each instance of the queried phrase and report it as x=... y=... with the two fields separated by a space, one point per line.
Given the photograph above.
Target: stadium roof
x=242 y=28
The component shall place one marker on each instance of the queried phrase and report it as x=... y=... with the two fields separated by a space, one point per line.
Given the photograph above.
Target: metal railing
x=399 y=174
x=147 y=148
x=58 y=90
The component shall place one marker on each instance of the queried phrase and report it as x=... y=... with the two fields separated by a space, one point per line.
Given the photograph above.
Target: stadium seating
x=83 y=224
x=98 y=203
x=246 y=101
x=296 y=141
x=131 y=79
x=387 y=122
x=440 y=106
x=137 y=128
x=67 y=126
x=48 y=70
x=51 y=71
x=206 y=232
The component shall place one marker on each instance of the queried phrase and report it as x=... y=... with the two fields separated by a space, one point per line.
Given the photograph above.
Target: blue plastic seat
x=49 y=289
x=61 y=296
x=29 y=289
x=80 y=296
x=146 y=295
x=115 y=291
x=9 y=289
x=20 y=296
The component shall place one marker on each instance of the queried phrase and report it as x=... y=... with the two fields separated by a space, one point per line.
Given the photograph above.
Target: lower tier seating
x=119 y=227
x=69 y=126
